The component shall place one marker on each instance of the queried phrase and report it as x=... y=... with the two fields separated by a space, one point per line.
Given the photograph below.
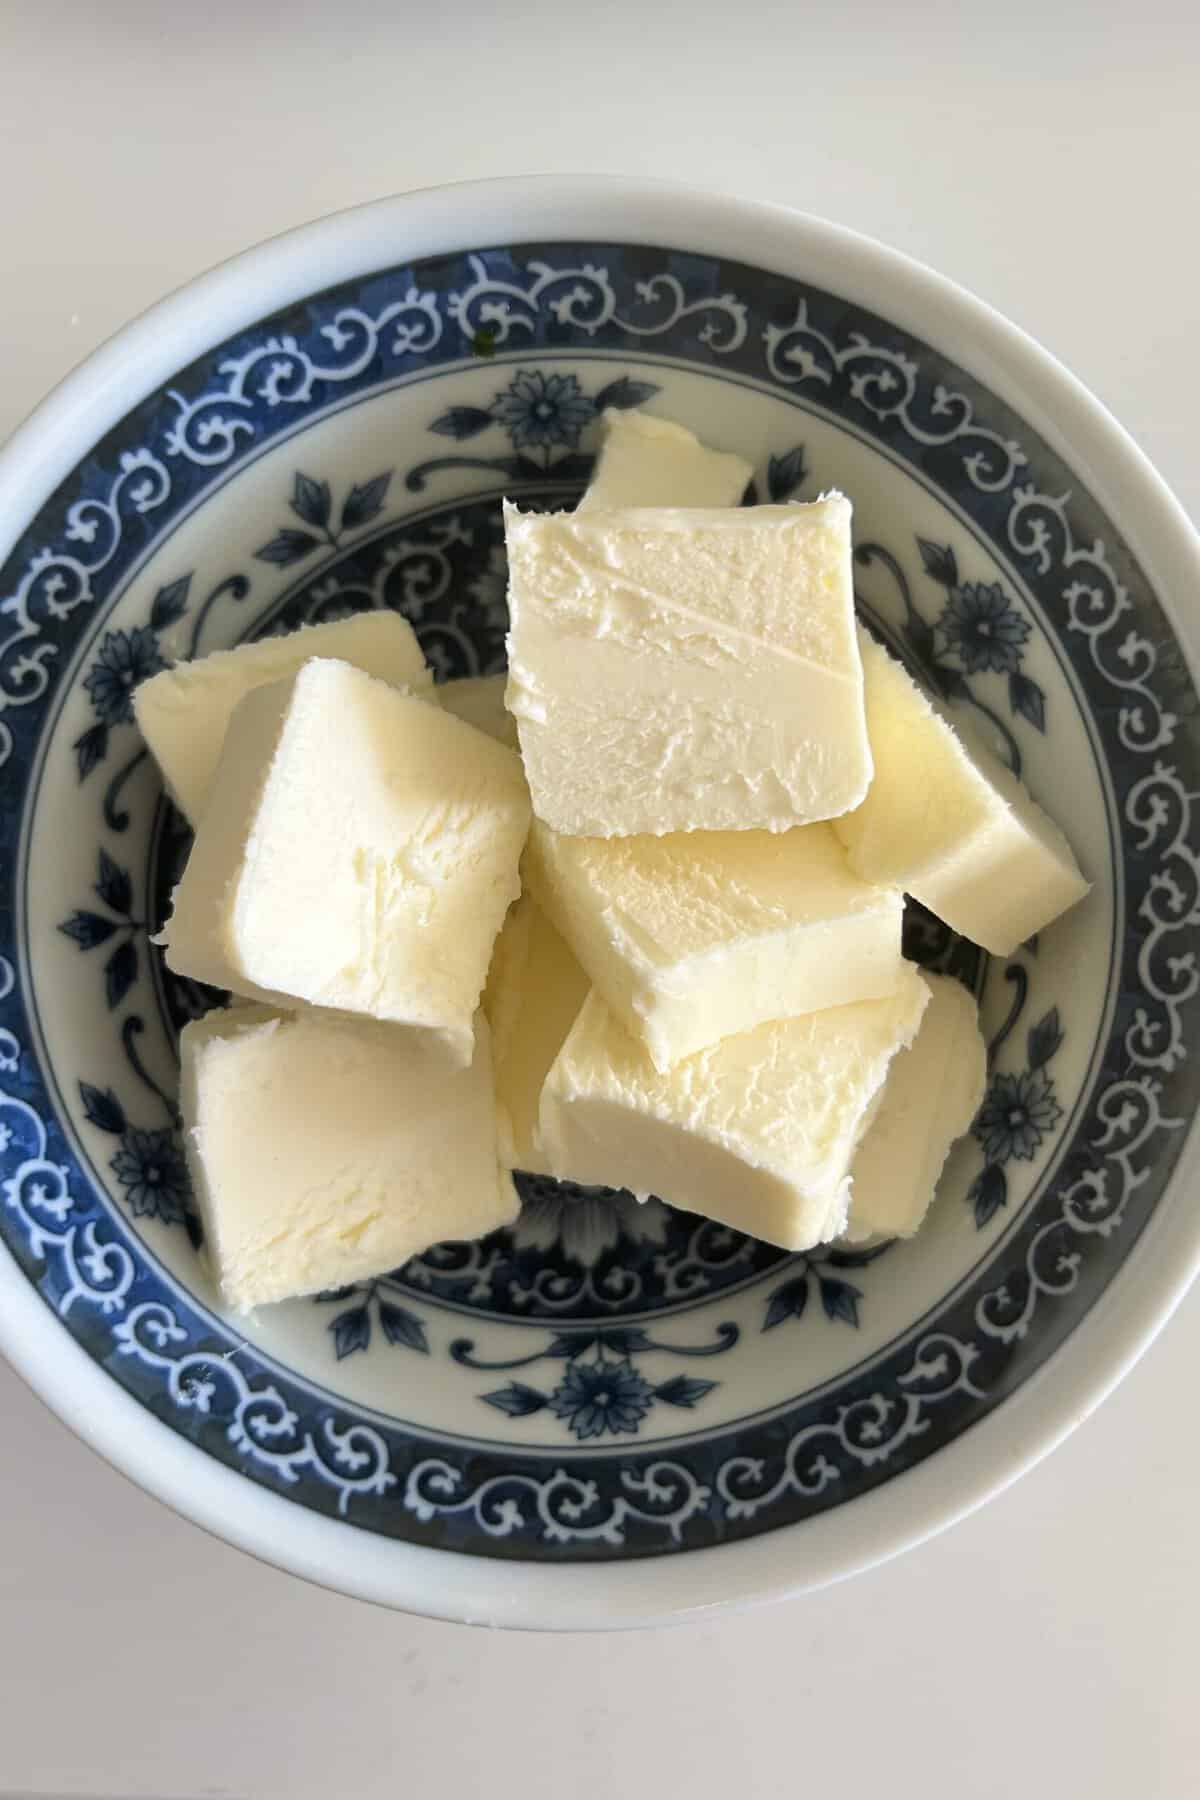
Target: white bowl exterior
x=910 y=1506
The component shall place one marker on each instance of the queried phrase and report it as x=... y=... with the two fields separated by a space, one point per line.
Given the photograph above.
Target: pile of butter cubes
x=630 y=918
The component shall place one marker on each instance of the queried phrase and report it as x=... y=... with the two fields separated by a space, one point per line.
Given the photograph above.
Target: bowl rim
x=985 y=1459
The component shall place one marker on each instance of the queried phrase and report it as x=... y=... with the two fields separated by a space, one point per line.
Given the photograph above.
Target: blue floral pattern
x=312 y=502
x=543 y=412
x=826 y=1274
x=1020 y=1109
x=595 y=1398
x=543 y=415
x=151 y=1169
x=124 y=659
x=982 y=627
x=1019 y=1112
x=89 y=929
x=373 y=1303
x=149 y=1164
x=601 y=1392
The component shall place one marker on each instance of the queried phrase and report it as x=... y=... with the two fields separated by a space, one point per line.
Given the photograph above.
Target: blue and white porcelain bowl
x=608 y=1414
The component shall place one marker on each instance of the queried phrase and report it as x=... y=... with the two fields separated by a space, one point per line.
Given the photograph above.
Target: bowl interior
x=603 y=1380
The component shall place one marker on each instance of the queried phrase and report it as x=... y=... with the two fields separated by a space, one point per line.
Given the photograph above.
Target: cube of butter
x=758 y=1132
x=645 y=461
x=947 y=822
x=686 y=670
x=325 y=1150
x=479 y=700
x=183 y=713
x=363 y=855
x=534 y=992
x=931 y=1095
x=699 y=935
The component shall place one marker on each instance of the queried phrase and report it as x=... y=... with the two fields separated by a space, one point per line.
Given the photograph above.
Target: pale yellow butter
x=325 y=1150
x=759 y=1131
x=696 y=936
x=643 y=461
x=682 y=670
x=363 y=856
x=947 y=822
x=646 y=461
x=534 y=992
x=479 y=701
x=184 y=712
x=933 y=1091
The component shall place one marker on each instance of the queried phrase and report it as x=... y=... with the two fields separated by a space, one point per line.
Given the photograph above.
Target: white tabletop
x=1035 y=152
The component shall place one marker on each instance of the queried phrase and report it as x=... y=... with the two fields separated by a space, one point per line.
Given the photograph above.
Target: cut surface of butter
x=534 y=992
x=183 y=713
x=947 y=822
x=758 y=1131
x=362 y=858
x=479 y=700
x=697 y=936
x=932 y=1093
x=325 y=1150
x=646 y=461
x=682 y=670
